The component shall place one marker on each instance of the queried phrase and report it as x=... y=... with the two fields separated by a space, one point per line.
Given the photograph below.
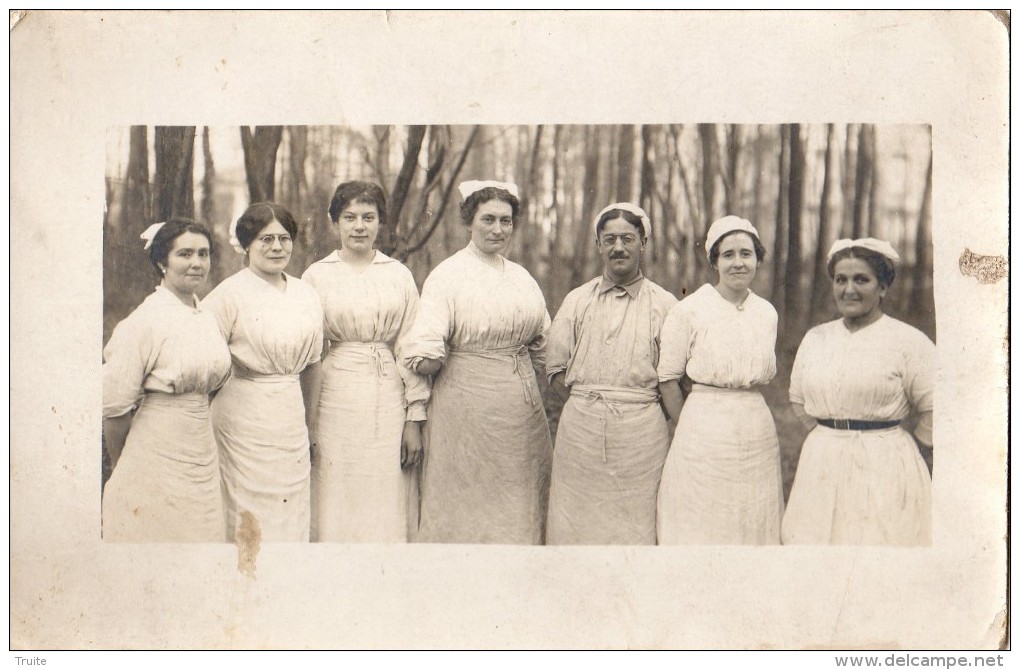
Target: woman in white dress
x=722 y=482
x=481 y=330
x=273 y=325
x=370 y=408
x=164 y=359
x=861 y=479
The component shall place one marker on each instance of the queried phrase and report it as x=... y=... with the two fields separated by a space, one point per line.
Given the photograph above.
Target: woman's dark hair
x=260 y=215
x=630 y=217
x=357 y=191
x=470 y=206
x=165 y=237
x=883 y=268
x=759 y=248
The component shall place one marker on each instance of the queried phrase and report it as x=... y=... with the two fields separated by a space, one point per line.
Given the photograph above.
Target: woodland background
x=802 y=185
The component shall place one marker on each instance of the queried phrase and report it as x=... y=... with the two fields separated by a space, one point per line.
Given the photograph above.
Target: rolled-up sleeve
x=416 y=387
x=919 y=373
x=432 y=327
x=674 y=344
x=126 y=362
x=562 y=339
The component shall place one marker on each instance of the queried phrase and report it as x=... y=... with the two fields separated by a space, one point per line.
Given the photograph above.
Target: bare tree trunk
x=297 y=156
x=437 y=216
x=758 y=188
x=688 y=234
x=388 y=240
x=709 y=170
x=847 y=172
x=670 y=229
x=558 y=236
x=874 y=198
x=921 y=293
x=380 y=160
x=820 y=277
x=591 y=178
x=732 y=169
x=657 y=256
x=136 y=198
x=531 y=186
x=439 y=137
x=208 y=207
x=660 y=201
x=260 y=160
x=782 y=216
x=646 y=174
x=794 y=262
x=175 y=149
x=862 y=183
x=625 y=161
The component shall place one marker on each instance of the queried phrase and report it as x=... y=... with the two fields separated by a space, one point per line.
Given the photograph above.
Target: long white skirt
x=606 y=469
x=487 y=453
x=166 y=486
x=360 y=493
x=260 y=427
x=859 y=487
x=722 y=482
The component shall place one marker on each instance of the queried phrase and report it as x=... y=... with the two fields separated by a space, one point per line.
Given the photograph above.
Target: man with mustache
x=602 y=352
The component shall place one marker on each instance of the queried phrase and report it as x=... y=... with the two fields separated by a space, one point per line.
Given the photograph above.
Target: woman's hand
x=411 y=445
x=428 y=366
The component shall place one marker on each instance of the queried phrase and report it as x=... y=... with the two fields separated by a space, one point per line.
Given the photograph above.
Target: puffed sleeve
x=797 y=373
x=127 y=359
x=223 y=307
x=416 y=388
x=312 y=277
x=313 y=308
x=433 y=326
x=674 y=344
x=919 y=372
x=562 y=336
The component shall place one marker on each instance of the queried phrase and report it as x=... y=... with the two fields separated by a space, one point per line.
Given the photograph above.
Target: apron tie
x=613 y=399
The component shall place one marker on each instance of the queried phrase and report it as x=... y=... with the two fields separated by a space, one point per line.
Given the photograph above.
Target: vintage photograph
x=611 y=277
x=415 y=329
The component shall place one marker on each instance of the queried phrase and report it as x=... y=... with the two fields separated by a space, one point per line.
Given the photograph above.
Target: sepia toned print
x=499 y=80
x=807 y=185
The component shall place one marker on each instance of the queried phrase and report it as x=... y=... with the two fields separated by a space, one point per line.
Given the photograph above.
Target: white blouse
x=710 y=340
x=374 y=303
x=471 y=304
x=877 y=373
x=270 y=332
x=164 y=346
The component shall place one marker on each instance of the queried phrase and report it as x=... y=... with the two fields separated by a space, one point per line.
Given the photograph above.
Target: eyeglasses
x=627 y=239
x=268 y=241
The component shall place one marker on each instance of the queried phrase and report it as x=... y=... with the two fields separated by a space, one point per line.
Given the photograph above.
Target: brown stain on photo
x=249 y=540
x=987 y=269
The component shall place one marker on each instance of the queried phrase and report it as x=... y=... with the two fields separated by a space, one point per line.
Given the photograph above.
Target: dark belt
x=853 y=424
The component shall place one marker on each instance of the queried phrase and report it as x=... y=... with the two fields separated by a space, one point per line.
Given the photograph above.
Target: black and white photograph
x=616 y=359
x=483 y=330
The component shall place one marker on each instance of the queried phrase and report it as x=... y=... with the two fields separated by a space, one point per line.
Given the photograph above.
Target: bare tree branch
x=438 y=216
